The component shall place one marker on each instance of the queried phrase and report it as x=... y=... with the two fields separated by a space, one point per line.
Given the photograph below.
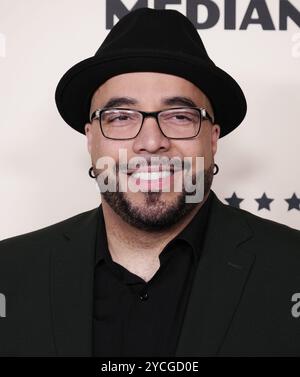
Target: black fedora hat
x=148 y=40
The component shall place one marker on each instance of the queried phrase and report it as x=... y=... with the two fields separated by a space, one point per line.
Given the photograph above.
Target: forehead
x=148 y=86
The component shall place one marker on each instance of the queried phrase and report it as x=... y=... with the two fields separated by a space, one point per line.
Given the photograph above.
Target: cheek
x=193 y=149
x=189 y=148
x=113 y=149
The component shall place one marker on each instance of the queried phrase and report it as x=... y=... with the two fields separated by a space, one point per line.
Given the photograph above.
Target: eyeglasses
x=174 y=123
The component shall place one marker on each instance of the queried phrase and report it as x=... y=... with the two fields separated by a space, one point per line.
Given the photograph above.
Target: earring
x=90 y=172
x=217 y=169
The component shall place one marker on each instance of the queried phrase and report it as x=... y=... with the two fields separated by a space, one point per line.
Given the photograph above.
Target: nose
x=150 y=138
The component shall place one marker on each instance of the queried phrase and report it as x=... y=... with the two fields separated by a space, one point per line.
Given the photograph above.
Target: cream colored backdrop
x=44 y=163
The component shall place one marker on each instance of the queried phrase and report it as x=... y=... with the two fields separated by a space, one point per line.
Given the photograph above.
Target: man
x=152 y=272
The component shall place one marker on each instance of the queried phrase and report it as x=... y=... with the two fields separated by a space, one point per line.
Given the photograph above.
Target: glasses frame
x=204 y=115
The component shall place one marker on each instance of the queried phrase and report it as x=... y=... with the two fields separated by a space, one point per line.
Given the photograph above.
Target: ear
x=215 y=134
x=88 y=133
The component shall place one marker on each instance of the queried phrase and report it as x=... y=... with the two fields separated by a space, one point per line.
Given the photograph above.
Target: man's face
x=150 y=91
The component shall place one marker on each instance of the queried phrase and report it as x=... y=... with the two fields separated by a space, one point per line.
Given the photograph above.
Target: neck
x=124 y=238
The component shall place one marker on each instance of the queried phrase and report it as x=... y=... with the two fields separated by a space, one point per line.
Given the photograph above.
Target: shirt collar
x=193 y=234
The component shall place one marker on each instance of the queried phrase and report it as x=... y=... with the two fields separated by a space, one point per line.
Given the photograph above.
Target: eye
x=118 y=117
x=180 y=117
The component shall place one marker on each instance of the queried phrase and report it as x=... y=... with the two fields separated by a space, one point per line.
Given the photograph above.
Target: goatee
x=156 y=214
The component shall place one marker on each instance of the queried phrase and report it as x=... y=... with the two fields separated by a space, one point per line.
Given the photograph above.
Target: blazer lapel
x=72 y=272
x=219 y=281
x=218 y=284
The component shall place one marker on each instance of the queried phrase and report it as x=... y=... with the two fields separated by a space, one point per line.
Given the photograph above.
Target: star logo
x=293 y=202
x=264 y=202
x=234 y=201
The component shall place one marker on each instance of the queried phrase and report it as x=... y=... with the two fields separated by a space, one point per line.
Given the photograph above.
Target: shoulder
x=274 y=243
x=261 y=227
x=25 y=260
x=265 y=227
x=270 y=230
x=43 y=237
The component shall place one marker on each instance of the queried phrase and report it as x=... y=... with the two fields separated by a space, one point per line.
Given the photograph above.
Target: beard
x=156 y=214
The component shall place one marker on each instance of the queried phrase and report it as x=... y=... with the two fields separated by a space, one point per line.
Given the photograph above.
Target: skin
x=134 y=248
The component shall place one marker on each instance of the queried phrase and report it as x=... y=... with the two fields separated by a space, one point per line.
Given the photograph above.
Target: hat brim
x=75 y=89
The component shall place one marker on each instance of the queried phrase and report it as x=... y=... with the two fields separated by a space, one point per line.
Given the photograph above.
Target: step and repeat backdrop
x=44 y=163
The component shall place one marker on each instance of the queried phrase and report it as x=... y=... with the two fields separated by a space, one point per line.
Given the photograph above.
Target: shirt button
x=144 y=296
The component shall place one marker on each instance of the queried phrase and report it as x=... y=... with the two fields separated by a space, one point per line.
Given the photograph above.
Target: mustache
x=165 y=163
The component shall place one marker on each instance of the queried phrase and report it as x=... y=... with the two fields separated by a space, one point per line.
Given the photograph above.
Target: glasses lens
x=180 y=123
x=120 y=124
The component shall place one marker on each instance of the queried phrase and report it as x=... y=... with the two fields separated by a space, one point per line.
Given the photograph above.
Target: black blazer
x=240 y=303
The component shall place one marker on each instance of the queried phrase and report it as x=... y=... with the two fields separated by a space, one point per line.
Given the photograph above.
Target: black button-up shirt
x=137 y=318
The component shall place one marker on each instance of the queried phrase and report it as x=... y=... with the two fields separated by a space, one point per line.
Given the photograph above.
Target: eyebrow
x=179 y=101
x=168 y=101
x=120 y=101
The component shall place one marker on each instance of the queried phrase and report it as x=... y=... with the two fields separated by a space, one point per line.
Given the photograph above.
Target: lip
x=152 y=169
x=151 y=175
x=158 y=182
